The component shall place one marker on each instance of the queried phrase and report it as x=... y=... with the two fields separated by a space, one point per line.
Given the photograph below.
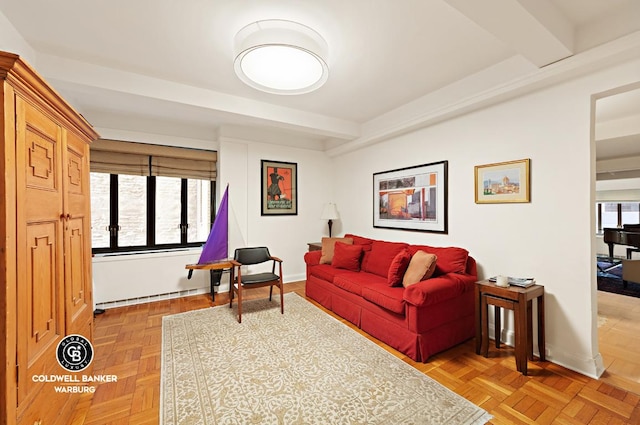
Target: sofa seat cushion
x=326 y=272
x=385 y=296
x=354 y=282
x=379 y=259
x=450 y=259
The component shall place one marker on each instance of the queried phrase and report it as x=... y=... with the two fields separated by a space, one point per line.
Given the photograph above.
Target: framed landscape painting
x=503 y=182
x=279 y=188
x=412 y=198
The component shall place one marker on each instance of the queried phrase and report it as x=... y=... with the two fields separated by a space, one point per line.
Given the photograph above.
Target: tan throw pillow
x=421 y=267
x=328 y=246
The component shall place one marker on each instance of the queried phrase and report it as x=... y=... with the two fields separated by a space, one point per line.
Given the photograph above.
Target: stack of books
x=523 y=282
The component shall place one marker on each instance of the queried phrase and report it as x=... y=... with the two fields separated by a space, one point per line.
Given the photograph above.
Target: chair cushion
x=259 y=278
x=252 y=255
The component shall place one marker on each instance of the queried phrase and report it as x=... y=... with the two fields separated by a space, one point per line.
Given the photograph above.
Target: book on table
x=523 y=282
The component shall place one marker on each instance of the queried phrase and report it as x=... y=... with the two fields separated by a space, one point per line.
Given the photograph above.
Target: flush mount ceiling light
x=281 y=57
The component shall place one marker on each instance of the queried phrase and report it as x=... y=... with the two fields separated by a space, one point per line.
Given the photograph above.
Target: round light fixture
x=281 y=57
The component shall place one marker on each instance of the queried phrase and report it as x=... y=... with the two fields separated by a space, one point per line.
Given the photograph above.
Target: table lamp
x=330 y=212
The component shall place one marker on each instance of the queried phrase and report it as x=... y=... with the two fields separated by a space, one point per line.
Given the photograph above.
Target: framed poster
x=503 y=182
x=412 y=198
x=279 y=188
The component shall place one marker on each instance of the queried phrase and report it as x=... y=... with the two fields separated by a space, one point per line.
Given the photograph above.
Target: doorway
x=616 y=136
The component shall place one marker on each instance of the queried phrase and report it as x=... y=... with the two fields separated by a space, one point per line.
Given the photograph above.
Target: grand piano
x=629 y=235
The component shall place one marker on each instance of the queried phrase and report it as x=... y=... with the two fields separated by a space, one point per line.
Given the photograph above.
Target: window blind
x=141 y=159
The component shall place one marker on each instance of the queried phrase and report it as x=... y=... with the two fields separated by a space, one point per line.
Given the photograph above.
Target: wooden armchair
x=252 y=256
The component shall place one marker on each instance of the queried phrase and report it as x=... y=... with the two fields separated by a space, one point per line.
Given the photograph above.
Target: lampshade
x=281 y=57
x=330 y=212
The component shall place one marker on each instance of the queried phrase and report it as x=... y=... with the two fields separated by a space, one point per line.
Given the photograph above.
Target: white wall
x=12 y=41
x=549 y=238
x=287 y=235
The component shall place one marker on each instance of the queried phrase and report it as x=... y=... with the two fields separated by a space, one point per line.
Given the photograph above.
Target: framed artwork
x=412 y=198
x=279 y=188
x=503 y=182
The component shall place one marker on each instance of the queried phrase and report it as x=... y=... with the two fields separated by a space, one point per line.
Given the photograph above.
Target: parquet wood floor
x=128 y=341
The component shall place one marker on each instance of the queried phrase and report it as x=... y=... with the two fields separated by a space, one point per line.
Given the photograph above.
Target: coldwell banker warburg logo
x=74 y=353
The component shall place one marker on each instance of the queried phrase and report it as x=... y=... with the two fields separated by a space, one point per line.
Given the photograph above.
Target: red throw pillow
x=398 y=267
x=327 y=248
x=347 y=256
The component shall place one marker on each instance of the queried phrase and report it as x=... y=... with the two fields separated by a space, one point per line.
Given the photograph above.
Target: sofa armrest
x=312 y=258
x=439 y=289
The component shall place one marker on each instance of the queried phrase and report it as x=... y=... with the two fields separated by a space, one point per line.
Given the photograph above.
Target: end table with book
x=516 y=298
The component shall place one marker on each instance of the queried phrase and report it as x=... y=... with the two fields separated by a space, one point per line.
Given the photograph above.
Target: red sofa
x=419 y=320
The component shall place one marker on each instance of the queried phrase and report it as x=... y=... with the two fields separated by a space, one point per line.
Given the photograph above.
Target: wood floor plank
x=127 y=343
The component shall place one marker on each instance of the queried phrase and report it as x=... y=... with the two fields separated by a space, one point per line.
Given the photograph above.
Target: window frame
x=150 y=213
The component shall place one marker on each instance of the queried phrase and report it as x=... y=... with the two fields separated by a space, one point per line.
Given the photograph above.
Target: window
x=147 y=197
x=100 y=210
x=146 y=213
x=131 y=224
x=168 y=209
x=616 y=214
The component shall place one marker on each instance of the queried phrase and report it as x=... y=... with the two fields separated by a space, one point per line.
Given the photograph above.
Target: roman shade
x=141 y=159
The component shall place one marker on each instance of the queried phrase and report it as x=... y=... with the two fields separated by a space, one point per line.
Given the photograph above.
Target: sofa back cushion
x=328 y=247
x=347 y=256
x=360 y=240
x=382 y=254
x=421 y=267
x=450 y=259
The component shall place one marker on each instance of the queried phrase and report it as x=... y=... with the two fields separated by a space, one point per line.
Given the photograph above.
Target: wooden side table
x=315 y=246
x=520 y=301
x=215 y=272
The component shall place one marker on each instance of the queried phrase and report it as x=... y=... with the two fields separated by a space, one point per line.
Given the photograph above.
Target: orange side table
x=519 y=300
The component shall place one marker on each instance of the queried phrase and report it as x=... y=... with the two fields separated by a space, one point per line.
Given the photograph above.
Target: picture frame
x=279 y=188
x=503 y=182
x=412 y=198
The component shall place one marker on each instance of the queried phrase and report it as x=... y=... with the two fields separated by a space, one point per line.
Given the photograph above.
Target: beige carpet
x=303 y=367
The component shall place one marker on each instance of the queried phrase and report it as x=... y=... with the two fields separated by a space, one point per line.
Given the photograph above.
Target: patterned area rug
x=303 y=367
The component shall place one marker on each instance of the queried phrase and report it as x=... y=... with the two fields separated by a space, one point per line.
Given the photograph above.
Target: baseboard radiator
x=122 y=280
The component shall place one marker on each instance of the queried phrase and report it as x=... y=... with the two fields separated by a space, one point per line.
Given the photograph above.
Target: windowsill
x=135 y=255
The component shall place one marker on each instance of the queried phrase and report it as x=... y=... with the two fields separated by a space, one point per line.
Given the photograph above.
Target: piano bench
x=630 y=250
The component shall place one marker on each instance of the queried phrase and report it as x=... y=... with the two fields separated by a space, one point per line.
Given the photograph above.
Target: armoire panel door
x=40 y=289
x=77 y=199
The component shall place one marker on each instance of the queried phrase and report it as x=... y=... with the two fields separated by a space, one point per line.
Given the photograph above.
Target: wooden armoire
x=45 y=237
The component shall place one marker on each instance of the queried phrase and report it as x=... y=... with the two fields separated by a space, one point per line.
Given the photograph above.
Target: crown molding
x=607 y=55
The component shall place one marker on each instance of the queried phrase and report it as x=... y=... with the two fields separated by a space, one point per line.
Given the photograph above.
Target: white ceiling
x=166 y=66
